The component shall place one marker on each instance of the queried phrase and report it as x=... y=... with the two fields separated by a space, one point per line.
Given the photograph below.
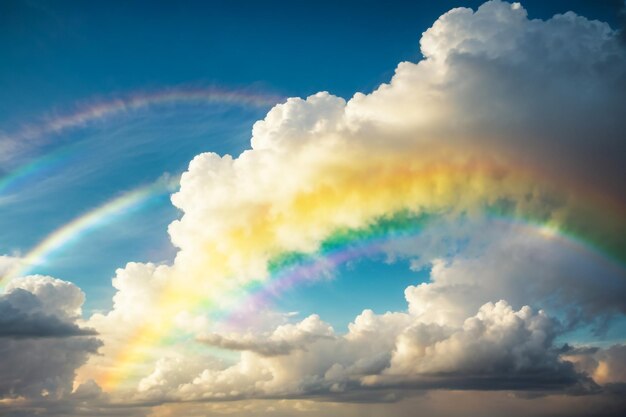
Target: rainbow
x=101 y=110
x=96 y=218
x=38 y=167
x=399 y=201
x=94 y=112
x=288 y=270
x=291 y=269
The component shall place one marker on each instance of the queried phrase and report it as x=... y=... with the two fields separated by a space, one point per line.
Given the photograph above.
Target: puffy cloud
x=22 y=315
x=135 y=307
x=503 y=110
x=499 y=110
x=497 y=348
x=41 y=342
x=172 y=371
x=282 y=341
x=606 y=366
x=496 y=341
x=56 y=296
x=7 y=262
x=519 y=263
x=611 y=365
x=497 y=79
x=42 y=367
x=138 y=288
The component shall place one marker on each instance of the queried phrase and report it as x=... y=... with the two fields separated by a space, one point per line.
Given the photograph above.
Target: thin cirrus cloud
x=28 y=169
x=89 y=113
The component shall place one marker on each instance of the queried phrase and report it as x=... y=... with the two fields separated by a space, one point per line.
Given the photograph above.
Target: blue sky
x=58 y=52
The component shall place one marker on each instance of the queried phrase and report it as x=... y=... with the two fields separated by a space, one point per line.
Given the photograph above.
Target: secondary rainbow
x=37 y=167
x=75 y=229
x=96 y=111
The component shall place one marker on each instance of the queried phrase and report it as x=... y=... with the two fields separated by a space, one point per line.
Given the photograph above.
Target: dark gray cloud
x=42 y=367
x=619 y=7
x=606 y=365
x=21 y=317
x=41 y=343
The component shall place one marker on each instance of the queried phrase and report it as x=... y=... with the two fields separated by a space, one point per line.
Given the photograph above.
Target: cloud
x=21 y=316
x=139 y=288
x=495 y=79
x=56 y=296
x=282 y=341
x=497 y=340
x=7 y=263
x=502 y=111
x=496 y=112
x=607 y=366
x=41 y=342
x=448 y=403
x=30 y=136
x=518 y=263
x=497 y=348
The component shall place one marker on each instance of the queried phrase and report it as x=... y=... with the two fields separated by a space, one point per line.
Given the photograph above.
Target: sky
x=312 y=208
